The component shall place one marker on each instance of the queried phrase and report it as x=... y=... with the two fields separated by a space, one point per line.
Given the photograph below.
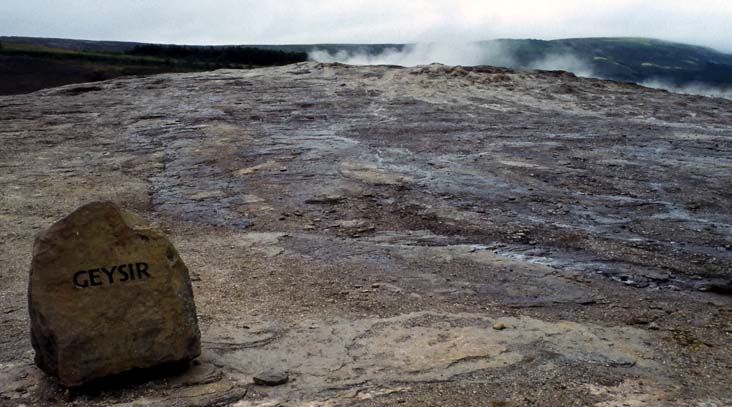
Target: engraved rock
x=108 y=293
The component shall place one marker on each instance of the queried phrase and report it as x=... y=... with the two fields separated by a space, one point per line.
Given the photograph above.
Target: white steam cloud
x=489 y=53
x=693 y=89
x=564 y=62
x=448 y=53
x=465 y=54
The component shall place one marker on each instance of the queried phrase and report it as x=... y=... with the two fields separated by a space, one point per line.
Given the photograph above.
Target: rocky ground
x=424 y=236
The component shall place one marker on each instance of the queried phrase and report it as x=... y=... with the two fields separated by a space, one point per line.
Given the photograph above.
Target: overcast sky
x=703 y=22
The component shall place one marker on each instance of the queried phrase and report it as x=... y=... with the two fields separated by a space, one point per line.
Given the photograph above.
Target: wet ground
x=422 y=236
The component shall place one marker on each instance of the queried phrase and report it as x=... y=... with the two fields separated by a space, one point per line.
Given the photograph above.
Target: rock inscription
x=123 y=272
x=108 y=260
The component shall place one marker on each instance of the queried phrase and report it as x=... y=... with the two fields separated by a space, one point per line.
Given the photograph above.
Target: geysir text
x=106 y=276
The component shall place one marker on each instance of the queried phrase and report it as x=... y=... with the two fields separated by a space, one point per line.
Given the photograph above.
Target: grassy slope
x=73 y=45
x=26 y=66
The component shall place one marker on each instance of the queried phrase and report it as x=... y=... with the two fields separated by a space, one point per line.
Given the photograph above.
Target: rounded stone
x=107 y=294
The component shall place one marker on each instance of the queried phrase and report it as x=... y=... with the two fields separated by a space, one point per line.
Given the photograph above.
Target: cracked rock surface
x=366 y=229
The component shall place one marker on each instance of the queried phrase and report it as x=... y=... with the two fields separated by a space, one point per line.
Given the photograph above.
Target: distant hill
x=120 y=46
x=637 y=60
x=630 y=59
x=28 y=64
x=72 y=45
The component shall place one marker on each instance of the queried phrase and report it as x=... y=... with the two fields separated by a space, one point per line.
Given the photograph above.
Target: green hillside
x=26 y=66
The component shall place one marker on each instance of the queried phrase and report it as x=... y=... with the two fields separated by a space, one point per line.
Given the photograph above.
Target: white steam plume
x=564 y=62
x=693 y=89
x=453 y=53
x=465 y=54
x=489 y=53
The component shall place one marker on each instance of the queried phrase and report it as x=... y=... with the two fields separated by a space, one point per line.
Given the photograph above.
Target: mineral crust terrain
x=378 y=236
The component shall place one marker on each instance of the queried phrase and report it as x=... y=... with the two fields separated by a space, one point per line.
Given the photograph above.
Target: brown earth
x=423 y=236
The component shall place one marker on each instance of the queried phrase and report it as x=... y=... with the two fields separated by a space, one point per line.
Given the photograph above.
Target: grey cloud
x=704 y=22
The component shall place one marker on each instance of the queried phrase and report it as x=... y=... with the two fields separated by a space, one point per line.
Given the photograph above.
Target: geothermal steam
x=487 y=53
x=465 y=54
